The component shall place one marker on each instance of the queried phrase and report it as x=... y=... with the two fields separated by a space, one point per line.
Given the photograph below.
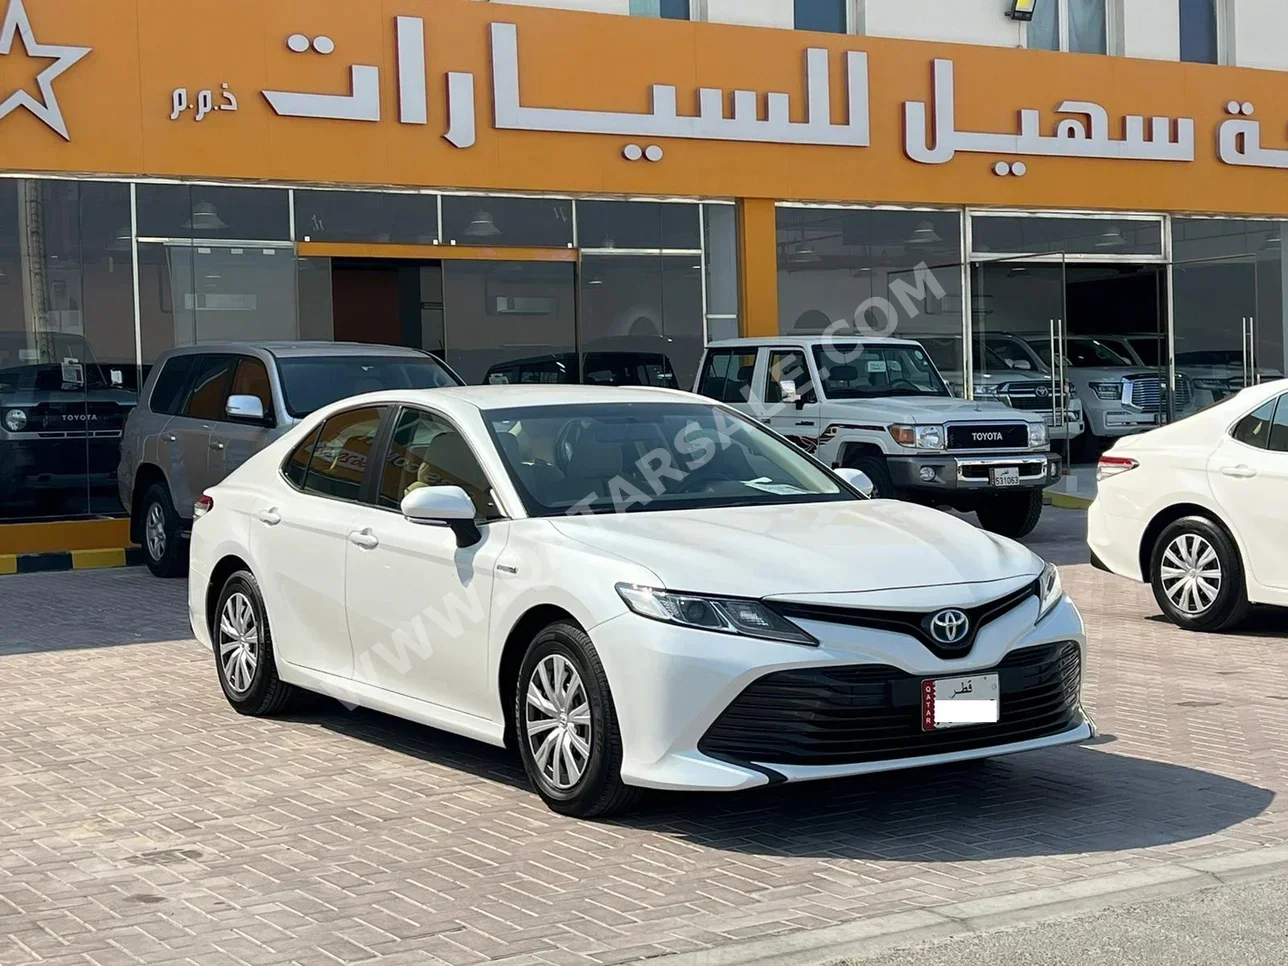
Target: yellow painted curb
x=8 y=563
x=97 y=559
x=1067 y=502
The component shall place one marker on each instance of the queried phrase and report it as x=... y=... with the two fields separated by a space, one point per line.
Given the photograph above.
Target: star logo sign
x=18 y=24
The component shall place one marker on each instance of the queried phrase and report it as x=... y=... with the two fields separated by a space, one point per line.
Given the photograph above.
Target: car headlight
x=1108 y=390
x=1212 y=385
x=1038 y=434
x=920 y=437
x=1071 y=390
x=15 y=420
x=1050 y=590
x=748 y=618
x=988 y=391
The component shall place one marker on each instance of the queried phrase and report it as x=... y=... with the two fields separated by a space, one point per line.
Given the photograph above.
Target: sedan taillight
x=1110 y=466
x=205 y=503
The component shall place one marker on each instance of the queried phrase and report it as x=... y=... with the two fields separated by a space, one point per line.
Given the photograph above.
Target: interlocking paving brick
x=142 y=821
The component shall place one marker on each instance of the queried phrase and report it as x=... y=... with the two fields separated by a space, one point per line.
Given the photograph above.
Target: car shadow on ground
x=1064 y=801
x=1269 y=622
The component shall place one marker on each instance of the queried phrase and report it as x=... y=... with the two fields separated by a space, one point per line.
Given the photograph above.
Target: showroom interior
x=97 y=278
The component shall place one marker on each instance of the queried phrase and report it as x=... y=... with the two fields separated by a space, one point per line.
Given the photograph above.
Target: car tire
x=565 y=672
x=1187 y=540
x=878 y=472
x=243 y=646
x=1011 y=515
x=160 y=528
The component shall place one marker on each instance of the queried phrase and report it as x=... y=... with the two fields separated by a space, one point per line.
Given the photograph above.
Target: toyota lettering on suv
x=881 y=406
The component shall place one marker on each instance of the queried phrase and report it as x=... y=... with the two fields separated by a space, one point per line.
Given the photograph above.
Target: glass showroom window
x=68 y=372
x=1076 y=26
x=874 y=272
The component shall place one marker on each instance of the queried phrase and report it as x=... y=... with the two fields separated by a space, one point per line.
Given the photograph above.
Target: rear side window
x=168 y=390
x=210 y=378
x=297 y=464
x=1254 y=428
x=339 y=459
x=727 y=376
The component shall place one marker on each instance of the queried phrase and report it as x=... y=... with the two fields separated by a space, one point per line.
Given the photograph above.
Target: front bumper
x=972 y=473
x=671 y=685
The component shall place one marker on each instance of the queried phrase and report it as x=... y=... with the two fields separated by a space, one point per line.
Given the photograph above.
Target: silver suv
x=205 y=409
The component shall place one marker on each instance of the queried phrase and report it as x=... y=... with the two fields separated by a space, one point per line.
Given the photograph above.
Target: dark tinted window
x=339 y=460
x=298 y=463
x=1254 y=428
x=1198 y=31
x=428 y=451
x=1279 y=431
x=828 y=15
x=727 y=375
x=787 y=366
x=210 y=378
x=493 y=221
x=310 y=384
x=168 y=391
x=251 y=379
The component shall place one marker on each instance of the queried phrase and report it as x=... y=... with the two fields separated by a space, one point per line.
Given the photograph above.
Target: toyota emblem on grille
x=949 y=627
x=1043 y=391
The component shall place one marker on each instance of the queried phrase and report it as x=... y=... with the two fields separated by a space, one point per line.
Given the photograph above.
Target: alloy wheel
x=558 y=725
x=1191 y=574
x=238 y=642
x=154 y=531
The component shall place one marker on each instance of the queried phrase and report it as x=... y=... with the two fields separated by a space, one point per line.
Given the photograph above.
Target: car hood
x=1105 y=373
x=932 y=409
x=802 y=551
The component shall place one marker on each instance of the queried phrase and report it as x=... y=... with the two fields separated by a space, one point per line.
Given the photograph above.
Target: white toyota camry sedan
x=1197 y=510
x=636 y=588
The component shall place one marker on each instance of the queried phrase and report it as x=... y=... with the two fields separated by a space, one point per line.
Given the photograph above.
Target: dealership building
x=534 y=191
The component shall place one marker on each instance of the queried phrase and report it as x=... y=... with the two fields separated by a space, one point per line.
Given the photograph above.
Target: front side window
x=787 y=369
x=634 y=457
x=1254 y=429
x=339 y=460
x=210 y=378
x=426 y=450
x=308 y=384
x=251 y=379
x=727 y=375
x=877 y=372
x=1077 y=26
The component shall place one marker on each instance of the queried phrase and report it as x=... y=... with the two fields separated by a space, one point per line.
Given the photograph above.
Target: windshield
x=1148 y=349
x=1016 y=354
x=48 y=362
x=309 y=384
x=633 y=457
x=1082 y=354
x=857 y=371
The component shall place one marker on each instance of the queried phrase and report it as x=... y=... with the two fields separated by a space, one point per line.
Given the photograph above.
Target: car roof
x=527 y=396
x=286 y=350
x=808 y=340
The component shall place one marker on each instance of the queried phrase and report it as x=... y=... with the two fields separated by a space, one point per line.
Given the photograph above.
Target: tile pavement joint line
x=866 y=937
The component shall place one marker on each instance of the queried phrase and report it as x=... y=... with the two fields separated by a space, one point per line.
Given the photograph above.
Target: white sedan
x=1196 y=509
x=637 y=588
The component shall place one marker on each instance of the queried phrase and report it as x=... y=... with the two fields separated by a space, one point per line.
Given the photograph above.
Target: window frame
x=368 y=474
x=385 y=439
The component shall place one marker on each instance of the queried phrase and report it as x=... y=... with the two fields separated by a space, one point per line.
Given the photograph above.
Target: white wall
x=958 y=21
x=1151 y=28
x=761 y=13
x=594 y=6
x=1256 y=32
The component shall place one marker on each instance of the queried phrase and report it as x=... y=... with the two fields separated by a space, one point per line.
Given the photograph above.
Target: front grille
x=76 y=418
x=989 y=436
x=1149 y=393
x=860 y=713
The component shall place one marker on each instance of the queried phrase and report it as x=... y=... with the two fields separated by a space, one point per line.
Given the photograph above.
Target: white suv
x=881 y=406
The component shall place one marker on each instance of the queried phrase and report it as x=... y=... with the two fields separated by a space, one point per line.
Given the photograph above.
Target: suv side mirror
x=787 y=389
x=443 y=504
x=857 y=479
x=245 y=409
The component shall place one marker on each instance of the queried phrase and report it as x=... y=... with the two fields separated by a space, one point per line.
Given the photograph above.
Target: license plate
x=1005 y=476
x=953 y=702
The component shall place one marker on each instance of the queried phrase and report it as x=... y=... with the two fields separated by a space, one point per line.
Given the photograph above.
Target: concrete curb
x=868 y=937
x=38 y=563
x=1066 y=502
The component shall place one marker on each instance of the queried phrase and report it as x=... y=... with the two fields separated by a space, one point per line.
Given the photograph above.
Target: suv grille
x=859 y=713
x=989 y=436
x=1149 y=393
x=57 y=421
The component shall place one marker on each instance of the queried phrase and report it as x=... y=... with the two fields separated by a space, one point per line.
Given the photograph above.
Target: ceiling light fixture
x=482 y=226
x=204 y=218
x=925 y=235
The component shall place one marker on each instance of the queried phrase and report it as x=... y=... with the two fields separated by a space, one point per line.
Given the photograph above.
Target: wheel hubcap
x=238 y=642
x=559 y=731
x=154 y=531
x=1191 y=573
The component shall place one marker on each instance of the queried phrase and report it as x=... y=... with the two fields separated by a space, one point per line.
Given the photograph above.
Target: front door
x=418 y=604
x=299 y=542
x=791 y=398
x=233 y=442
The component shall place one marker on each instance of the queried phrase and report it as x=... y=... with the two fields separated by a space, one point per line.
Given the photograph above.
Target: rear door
x=233 y=442
x=187 y=435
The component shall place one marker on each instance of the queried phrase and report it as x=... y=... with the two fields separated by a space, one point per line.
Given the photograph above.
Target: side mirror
x=787 y=389
x=245 y=408
x=443 y=504
x=857 y=479
x=1023 y=364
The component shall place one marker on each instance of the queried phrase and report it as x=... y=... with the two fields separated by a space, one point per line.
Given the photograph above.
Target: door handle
x=1240 y=472
x=364 y=539
x=270 y=517
x=217 y=444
